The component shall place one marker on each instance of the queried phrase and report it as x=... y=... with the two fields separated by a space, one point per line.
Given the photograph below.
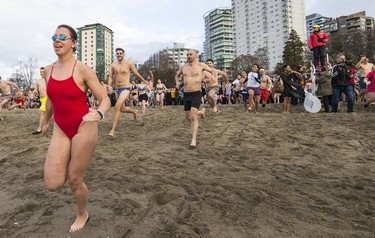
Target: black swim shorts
x=192 y=99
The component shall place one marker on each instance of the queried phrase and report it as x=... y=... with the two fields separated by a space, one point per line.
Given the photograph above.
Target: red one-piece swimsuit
x=68 y=102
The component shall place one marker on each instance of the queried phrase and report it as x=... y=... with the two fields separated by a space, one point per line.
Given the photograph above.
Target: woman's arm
x=96 y=88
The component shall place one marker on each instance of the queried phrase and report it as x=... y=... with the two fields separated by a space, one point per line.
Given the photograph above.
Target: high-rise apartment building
x=315 y=19
x=267 y=24
x=353 y=22
x=95 y=48
x=219 y=44
x=169 y=57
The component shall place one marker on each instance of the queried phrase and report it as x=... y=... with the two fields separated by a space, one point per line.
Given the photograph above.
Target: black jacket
x=341 y=75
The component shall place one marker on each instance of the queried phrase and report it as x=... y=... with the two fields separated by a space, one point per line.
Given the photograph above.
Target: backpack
x=279 y=86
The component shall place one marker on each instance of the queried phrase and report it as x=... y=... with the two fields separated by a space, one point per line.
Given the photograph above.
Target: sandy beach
x=252 y=175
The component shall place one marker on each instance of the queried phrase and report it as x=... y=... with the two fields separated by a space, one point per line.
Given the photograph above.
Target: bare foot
x=135 y=114
x=111 y=134
x=203 y=113
x=216 y=109
x=193 y=144
x=79 y=223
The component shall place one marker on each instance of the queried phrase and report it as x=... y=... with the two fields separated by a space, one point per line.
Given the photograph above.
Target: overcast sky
x=141 y=27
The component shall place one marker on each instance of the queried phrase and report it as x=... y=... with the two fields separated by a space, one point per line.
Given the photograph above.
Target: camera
x=347 y=63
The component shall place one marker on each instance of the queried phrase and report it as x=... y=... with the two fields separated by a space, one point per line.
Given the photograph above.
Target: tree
x=162 y=66
x=243 y=62
x=18 y=79
x=166 y=75
x=263 y=59
x=293 y=50
x=370 y=46
x=352 y=44
x=25 y=72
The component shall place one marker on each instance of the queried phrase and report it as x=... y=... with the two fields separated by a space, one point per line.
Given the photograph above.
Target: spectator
x=324 y=79
x=341 y=74
x=317 y=43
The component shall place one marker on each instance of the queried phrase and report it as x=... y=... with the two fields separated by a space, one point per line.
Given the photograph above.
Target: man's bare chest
x=122 y=69
x=192 y=72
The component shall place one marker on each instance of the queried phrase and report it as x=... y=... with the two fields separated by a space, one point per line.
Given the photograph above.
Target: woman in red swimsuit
x=75 y=129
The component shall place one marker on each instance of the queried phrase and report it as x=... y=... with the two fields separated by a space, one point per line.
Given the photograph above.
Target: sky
x=141 y=27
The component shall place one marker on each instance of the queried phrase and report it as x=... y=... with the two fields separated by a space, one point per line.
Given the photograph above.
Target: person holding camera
x=317 y=43
x=341 y=75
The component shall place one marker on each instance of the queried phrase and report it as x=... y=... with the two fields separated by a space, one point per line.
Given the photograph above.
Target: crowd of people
x=234 y=91
x=256 y=88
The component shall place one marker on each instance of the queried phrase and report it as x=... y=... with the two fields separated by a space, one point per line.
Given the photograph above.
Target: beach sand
x=252 y=175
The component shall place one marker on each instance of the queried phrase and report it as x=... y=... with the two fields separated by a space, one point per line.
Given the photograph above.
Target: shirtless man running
x=5 y=87
x=121 y=71
x=265 y=86
x=193 y=74
x=212 y=83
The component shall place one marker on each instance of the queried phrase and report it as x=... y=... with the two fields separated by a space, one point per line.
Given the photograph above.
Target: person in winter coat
x=324 y=79
x=317 y=43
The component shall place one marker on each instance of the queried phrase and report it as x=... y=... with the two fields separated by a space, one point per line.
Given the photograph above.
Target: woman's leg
x=251 y=99
x=143 y=106
x=57 y=160
x=83 y=147
x=162 y=100
x=257 y=100
x=286 y=105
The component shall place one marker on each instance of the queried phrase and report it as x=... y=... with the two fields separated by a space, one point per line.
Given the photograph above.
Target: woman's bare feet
x=79 y=223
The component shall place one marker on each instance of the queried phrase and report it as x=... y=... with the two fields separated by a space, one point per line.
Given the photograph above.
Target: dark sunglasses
x=62 y=37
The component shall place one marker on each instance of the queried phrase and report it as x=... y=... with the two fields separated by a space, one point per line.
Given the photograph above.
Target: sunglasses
x=61 y=37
